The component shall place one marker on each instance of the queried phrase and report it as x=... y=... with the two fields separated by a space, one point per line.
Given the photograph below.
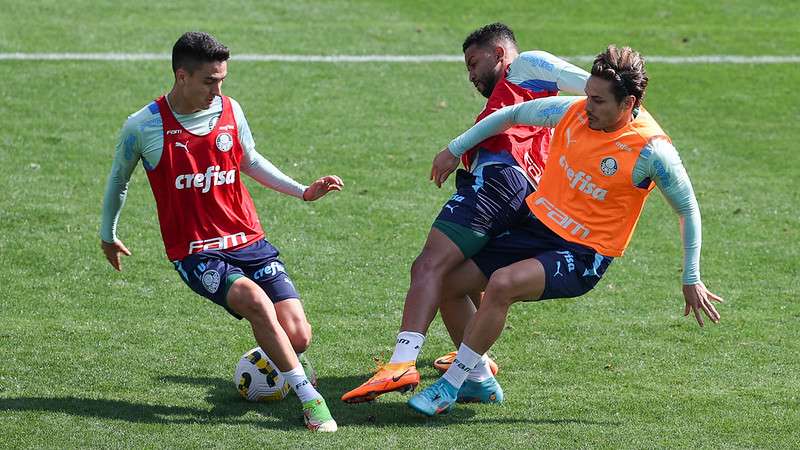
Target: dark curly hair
x=195 y=48
x=489 y=35
x=624 y=68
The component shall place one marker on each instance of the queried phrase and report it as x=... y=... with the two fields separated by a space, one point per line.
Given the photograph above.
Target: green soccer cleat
x=317 y=417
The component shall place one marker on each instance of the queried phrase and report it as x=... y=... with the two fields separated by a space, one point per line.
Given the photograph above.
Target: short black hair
x=490 y=35
x=195 y=48
x=624 y=68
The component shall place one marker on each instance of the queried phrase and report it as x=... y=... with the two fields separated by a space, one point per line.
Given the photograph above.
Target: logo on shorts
x=568 y=258
x=224 y=142
x=270 y=270
x=211 y=281
x=608 y=166
x=452 y=208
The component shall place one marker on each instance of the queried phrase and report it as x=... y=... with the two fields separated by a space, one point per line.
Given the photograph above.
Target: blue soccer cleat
x=486 y=391
x=438 y=398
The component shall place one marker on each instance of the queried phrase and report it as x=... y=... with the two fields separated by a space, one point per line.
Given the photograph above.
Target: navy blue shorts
x=487 y=202
x=571 y=270
x=211 y=272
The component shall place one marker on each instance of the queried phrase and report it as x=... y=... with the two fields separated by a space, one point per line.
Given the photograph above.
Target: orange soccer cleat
x=443 y=363
x=390 y=377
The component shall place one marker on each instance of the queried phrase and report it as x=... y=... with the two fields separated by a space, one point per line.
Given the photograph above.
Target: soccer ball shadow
x=228 y=406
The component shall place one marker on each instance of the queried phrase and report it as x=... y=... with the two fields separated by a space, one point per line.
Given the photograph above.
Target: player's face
x=200 y=87
x=602 y=109
x=484 y=66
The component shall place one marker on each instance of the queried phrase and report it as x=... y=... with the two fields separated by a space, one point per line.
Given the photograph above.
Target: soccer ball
x=257 y=379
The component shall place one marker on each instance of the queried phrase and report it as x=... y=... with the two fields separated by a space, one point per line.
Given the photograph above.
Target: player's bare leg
x=438 y=257
x=457 y=305
x=293 y=320
x=458 y=309
x=248 y=300
x=524 y=280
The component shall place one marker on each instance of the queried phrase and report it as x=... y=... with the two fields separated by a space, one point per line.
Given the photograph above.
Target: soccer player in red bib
x=194 y=144
x=498 y=174
x=607 y=154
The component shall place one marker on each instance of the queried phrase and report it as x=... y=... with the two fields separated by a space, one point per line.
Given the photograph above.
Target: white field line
x=703 y=59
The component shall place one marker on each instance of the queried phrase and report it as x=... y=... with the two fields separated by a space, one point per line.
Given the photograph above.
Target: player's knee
x=299 y=335
x=501 y=289
x=426 y=266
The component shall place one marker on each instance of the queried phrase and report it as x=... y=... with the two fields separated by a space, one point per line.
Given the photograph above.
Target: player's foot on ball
x=438 y=398
x=443 y=363
x=486 y=391
x=311 y=374
x=388 y=378
x=317 y=417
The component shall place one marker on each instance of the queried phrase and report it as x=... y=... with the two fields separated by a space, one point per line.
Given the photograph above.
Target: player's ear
x=629 y=102
x=180 y=75
x=499 y=52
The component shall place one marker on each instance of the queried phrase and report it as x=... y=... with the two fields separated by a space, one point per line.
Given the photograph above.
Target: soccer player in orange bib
x=606 y=155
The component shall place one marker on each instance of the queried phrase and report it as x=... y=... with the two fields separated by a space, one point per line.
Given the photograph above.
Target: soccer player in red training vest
x=194 y=143
x=500 y=172
x=606 y=156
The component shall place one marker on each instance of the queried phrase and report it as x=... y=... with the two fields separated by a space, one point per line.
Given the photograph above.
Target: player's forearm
x=263 y=171
x=126 y=156
x=691 y=236
x=545 y=112
x=113 y=201
x=666 y=169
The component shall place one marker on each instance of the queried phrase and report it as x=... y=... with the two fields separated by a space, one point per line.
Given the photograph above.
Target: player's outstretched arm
x=322 y=186
x=546 y=112
x=126 y=156
x=543 y=112
x=113 y=250
x=664 y=167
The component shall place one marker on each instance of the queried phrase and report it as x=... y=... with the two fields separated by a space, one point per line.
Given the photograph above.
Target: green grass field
x=94 y=358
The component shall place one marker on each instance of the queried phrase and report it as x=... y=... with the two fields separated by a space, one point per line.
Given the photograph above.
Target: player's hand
x=322 y=186
x=443 y=165
x=112 y=252
x=698 y=298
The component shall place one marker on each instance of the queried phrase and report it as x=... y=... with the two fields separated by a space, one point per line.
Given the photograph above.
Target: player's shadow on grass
x=389 y=410
x=227 y=407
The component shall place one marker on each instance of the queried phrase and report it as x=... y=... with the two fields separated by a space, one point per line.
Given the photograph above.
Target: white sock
x=407 y=348
x=300 y=384
x=482 y=371
x=466 y=360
